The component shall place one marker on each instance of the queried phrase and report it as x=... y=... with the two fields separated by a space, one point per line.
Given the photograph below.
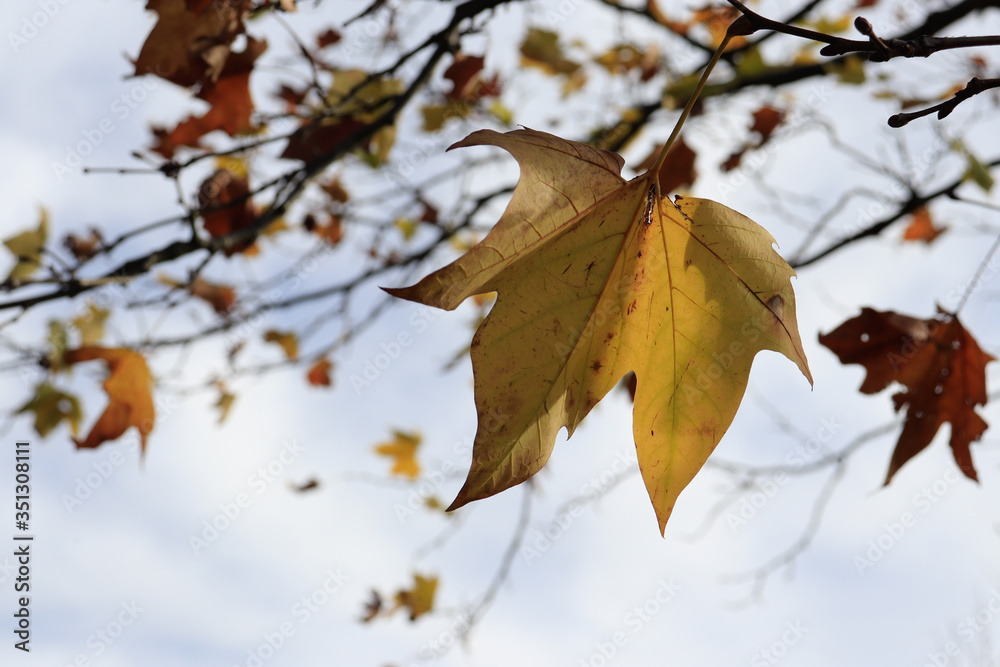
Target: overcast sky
x=116 y=579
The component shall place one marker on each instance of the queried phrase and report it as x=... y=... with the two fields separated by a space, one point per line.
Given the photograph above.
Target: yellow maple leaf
x=597 y=277
x=403 y=450
x=130 y=396
x=27 y=248
x=419 y=599
x=90 y=324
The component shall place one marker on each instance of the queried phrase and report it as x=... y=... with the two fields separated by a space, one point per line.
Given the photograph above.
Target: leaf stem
x=689 y=106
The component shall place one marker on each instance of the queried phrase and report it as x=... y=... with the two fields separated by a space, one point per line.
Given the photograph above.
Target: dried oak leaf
x=936 y=360
x=597 y=277
x=130 y=394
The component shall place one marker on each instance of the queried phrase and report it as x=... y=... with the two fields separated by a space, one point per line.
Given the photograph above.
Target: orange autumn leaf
x=403 y=451
x=129 y=387
x=231 y=104
x=922 y=227
x=937 y=361
x=319 y=373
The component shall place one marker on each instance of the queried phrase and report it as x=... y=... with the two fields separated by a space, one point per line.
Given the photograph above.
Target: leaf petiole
x=740 y=26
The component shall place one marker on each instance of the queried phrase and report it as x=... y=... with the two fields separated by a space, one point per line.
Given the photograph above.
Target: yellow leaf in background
x=288 y=341
x=407 y=227
x=978 y=173
x=463 y=243
x=27 y=248
x=233 y=164
x=130 y=394
x=90 y=324
x=501 y=113
x=434 y=115
x=225 y=402
x=384 y=140
x=51 y=408
x=541 y=49
x=58 y=341
x=831 y=26
x=850 y=70
x=597 y=277
x=403 y=450
x=419 y=599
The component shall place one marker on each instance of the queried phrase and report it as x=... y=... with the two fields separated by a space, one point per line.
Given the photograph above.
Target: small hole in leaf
x=865 y=337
